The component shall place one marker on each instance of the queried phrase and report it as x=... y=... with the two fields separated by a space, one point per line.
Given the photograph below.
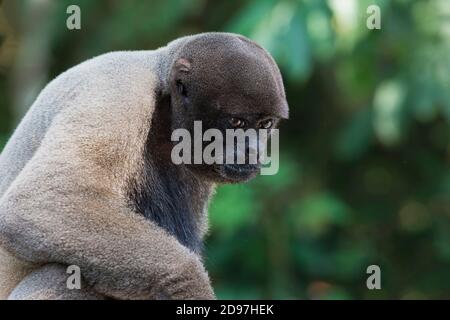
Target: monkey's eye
x=266 y=124
x=237 y=123
x=181 y=89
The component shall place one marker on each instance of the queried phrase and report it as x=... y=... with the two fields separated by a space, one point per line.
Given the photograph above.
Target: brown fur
x=86 y=188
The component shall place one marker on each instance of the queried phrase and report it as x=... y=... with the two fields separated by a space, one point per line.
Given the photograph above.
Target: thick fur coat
x=81 y=184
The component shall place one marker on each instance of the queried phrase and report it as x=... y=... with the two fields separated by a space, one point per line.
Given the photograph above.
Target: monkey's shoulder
x=114 y=69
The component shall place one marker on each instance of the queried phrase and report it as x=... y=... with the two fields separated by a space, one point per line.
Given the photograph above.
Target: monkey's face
x=225 y=87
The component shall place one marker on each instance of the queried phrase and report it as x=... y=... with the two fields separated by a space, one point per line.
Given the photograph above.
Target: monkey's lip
x=242 y=167
x=240 y=171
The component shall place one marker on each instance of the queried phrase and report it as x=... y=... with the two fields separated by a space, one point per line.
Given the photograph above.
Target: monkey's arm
x=120 y=254
x=49 y=283
x=68 y=206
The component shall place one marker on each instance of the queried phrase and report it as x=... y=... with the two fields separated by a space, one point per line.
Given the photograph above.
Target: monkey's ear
x=183 y=65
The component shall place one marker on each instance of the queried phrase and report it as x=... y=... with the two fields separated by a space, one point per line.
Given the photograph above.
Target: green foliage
x=317 y=213
x=245 y=205
x=364 y=168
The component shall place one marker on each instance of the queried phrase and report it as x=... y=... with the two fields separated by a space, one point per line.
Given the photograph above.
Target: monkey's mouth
x=240 y=172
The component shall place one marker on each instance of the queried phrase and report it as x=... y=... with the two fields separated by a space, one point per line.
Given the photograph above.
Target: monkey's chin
x=235 y=173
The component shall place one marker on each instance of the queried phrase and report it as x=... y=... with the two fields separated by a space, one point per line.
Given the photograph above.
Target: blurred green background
x=364 y=167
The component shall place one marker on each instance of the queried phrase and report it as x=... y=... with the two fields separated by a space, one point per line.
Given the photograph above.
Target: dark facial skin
x=228 y=83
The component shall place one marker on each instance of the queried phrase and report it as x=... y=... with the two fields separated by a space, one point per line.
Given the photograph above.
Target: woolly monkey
x=87 y=178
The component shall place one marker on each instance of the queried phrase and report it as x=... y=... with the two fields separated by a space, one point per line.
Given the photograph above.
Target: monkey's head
x=225 y=81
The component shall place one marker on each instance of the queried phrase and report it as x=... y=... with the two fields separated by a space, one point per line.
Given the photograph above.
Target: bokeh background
x=364 y=167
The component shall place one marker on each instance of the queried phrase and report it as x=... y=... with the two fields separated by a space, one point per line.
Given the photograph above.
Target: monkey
x=87 y=179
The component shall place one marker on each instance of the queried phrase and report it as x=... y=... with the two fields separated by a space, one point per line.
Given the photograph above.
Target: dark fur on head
x=213 y=78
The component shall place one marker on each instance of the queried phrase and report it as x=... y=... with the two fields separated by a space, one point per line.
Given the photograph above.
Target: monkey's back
x=31 y=130
x=65 y=113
